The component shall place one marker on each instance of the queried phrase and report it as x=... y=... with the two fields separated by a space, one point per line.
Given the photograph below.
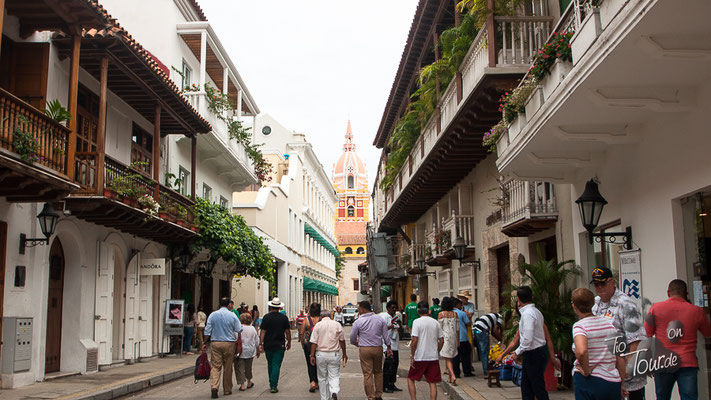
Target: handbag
x=238 y=344
x=202 y=368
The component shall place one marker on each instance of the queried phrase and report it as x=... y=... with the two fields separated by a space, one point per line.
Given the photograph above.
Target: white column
x=225 y=80
x=239 y=104
x=203 y=59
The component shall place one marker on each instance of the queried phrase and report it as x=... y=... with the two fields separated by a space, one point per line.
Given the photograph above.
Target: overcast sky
x=314 y=64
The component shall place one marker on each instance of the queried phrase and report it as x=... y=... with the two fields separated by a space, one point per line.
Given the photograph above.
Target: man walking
x=393 y=320
x=427 y=341
x=464 y=354
x=532 y=346
x=369 y=333
x=483 y=326
x=328 y=348
x=221 y=333
x=275 y=331
x=411 y=311
x=685 y=320
x=625 y=316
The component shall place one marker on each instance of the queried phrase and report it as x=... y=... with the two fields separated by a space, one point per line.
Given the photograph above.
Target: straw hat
x=275 y=303
x=465 y=293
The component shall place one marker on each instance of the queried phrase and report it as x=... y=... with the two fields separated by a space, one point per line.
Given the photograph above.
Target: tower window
x=349 y=250
x=351 y=183
x=360 y=251
x=351 y=211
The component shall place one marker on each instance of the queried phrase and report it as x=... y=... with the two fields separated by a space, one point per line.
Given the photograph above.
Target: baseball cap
x=601 y=274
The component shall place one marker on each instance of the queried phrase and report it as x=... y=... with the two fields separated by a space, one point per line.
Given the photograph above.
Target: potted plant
x=149 y=205
x=443 y=241
x=110 y=193
x=552 y=63
x=588 y=31
x=492 y=137
x=23 y=143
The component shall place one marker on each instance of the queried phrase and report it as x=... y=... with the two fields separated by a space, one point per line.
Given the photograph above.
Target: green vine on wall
x=340 y=263
x=228 y=237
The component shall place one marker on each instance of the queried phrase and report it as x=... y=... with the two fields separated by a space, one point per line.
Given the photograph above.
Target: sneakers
x=214 y=393
x=274 y=390
x=334 y=396
x=387 y=390
x=395 y=389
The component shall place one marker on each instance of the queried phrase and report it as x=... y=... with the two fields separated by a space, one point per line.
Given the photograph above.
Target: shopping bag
x=202 y=368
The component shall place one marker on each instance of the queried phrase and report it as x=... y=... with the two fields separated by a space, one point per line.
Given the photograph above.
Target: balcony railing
x=517 y=39
x=461 y=225
x=527 y=200
x=51 y=137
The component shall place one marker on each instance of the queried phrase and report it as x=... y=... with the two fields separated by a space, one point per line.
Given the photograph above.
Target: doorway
x=503 y=266
x=3 y=244
x=54 y=308
x=118 y=308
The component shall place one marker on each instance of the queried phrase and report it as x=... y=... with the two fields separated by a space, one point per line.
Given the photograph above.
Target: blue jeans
x=187 y=338
x=482 y=343
x=685 y=377
x=594 y=388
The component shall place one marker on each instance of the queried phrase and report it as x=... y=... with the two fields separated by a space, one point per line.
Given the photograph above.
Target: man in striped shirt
x=483 y=326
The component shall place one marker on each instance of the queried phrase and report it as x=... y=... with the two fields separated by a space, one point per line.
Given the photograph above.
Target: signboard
x=174 y=312
x=631 y=275
x=153 y=266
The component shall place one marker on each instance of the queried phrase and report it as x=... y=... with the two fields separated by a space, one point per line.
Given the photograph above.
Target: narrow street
x=293 y=383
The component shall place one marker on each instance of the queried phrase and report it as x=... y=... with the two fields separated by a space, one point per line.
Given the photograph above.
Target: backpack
x=202 y=368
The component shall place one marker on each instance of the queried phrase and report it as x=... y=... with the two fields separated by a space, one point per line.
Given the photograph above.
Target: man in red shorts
x=427 y=341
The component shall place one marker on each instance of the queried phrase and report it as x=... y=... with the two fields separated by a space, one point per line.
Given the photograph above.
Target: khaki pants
x=223 y=354
x=199 y=338
x=371 y=363
x=243 y=369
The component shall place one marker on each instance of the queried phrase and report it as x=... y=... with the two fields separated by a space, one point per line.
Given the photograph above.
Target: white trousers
x=328 y=364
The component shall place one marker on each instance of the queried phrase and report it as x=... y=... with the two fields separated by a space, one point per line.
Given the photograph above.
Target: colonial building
x=292 y=211
x=350 y=179
x=116 y=184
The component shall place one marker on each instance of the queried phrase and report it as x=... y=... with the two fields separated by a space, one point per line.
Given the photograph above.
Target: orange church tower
x=350 y=180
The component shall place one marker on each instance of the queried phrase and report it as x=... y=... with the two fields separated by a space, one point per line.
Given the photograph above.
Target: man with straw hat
x=468 y=308
x=275 y=338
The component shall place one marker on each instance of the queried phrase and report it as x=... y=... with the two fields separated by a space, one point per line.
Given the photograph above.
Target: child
x=250 y=348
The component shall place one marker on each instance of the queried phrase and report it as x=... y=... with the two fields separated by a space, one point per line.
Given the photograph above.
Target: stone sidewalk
x=108 y=384
x=475 y=388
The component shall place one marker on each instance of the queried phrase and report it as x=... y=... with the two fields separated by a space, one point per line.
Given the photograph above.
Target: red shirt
x=300 y=318
x=692 y=319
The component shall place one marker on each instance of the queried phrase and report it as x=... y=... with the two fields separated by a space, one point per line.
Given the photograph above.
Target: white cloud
x=314 y=64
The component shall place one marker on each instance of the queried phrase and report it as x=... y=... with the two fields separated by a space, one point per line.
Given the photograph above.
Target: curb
x=454 y=392
x=134 y=386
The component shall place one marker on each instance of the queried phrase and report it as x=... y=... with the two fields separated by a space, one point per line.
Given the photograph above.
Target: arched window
x=349 y=250
x=351 y=183
x=360 y=250
x=351 y=211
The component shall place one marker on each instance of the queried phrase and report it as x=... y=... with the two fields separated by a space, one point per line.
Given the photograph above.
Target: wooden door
x=3 y=243
x=54 y=308
x=206 y=295
x=29 y=72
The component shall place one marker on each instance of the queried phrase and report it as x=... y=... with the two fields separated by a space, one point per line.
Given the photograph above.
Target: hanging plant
x=557 y=47
x=23 y=143
x=226 y=236
x=493 y=135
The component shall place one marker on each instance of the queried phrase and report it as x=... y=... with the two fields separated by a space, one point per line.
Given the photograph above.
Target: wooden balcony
x=529 y=207
x=97 y=202
x=36 y=172
x=450 y=144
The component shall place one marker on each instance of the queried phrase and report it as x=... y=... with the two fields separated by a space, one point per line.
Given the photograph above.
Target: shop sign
x=631 y=275
x=153 y=266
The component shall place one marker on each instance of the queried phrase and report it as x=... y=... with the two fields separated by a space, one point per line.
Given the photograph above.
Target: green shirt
x=434 y=311
x=411 y=312
x=234 y=310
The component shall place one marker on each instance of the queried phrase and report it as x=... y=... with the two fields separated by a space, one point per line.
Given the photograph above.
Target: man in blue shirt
x=464 y=353
x=221 y=332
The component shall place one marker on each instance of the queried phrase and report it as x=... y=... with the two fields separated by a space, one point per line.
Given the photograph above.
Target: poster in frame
x=174 y=312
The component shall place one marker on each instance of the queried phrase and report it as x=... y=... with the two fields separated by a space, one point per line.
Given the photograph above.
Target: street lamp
x=420 y=264
x=591 y=204
x=460 y=248
x=48 y=222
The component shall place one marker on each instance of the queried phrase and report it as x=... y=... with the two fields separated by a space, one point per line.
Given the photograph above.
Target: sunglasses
x=600 y=284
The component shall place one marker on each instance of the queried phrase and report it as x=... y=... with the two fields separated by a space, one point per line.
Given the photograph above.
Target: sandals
x=241 y=389
x=251 y=385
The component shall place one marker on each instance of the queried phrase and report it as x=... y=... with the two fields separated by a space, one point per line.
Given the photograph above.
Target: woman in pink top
x=598 y=372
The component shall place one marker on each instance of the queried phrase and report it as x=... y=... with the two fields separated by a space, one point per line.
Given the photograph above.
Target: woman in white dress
x=449 y=321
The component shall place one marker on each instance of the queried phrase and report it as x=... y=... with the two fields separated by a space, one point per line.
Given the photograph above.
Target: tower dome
x=349 y=173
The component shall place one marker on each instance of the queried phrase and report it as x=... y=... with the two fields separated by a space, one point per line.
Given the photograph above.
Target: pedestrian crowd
x=609 y=337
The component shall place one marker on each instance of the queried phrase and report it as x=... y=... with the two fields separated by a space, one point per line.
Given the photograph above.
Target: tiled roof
x=198 y=9
x=115 y=30
x=350 y=239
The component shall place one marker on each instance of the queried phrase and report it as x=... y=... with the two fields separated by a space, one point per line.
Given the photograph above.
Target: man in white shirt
x=532 y=346
x=393 y=319
x=427 y=341
x=328 y=348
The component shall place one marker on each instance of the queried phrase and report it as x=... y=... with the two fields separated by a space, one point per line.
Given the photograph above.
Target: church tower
x=350 y=179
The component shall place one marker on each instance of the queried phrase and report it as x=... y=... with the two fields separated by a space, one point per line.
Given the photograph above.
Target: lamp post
x=48 y=222
x=590 y=204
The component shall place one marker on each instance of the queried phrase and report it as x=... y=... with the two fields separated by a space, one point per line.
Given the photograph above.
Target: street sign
x=631 y=275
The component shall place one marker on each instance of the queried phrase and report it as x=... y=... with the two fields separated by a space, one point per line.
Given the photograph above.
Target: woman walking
x=189 y=328
x=598 y=374
x=338 y=315
x=449 y=321
x=250 y=349
x=256 y=317
x=304 y=337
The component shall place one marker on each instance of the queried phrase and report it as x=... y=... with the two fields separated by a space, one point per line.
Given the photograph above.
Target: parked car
x=350 y=314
